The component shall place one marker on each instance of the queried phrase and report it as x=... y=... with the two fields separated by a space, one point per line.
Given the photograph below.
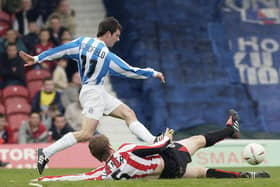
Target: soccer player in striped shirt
x=162 y=160
x=95 y=61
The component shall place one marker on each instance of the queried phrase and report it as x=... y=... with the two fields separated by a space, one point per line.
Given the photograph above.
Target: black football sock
x=213 y=137
x=218 y=173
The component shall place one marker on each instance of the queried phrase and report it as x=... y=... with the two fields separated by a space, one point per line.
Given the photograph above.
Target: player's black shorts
x=175 y=157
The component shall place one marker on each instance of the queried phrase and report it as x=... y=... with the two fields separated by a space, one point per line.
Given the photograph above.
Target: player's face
x=113 y=38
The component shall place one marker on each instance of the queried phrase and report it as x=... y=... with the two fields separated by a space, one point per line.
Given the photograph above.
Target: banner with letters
x=252 y=30
x=25 y=156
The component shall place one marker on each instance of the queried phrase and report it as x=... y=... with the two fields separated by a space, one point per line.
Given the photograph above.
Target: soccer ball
x=253 y=153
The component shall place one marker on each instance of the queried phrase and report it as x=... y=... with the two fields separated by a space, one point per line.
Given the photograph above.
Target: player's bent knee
x=199 y=140
x=129 y=114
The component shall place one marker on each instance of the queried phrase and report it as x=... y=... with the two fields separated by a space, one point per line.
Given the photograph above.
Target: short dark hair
x=99 y=147
x=108 y=24
x=55 y=17
x=11 y=29
x=59 y=116
x=44 y=30
x=47 y=79
x=36 y=113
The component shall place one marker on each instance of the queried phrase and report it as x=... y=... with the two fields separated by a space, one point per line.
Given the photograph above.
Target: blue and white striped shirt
x=94 y=61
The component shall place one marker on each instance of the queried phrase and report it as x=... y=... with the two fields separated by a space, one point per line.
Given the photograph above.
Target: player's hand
x=169 y=133
x=160 y=76
x=29 y=60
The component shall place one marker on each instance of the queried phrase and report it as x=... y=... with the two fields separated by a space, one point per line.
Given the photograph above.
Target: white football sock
x=66 y=141
x=140 y=130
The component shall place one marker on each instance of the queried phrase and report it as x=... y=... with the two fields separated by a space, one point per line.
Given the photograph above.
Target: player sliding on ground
x=162 y=160
x=95 y=61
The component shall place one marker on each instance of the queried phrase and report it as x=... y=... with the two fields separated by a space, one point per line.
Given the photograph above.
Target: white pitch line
x=35 y=184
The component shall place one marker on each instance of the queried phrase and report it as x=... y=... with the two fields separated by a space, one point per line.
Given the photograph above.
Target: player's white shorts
x=95 y=101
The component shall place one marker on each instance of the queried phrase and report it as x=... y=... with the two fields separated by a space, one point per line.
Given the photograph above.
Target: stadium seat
x=12 y=91
x=21 y=108
x=37 y=74
x=2 y=109
x=15 y=100
x=34 y=87
x=16 y=120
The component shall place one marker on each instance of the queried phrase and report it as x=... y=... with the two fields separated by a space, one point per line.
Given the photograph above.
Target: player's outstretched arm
x=119 y=67
x=95 y=174
x=28 y=59
x=67 y=50
x=160 y=76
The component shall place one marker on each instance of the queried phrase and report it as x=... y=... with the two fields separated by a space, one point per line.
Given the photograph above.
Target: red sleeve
x=123 y=145
x=147 y=150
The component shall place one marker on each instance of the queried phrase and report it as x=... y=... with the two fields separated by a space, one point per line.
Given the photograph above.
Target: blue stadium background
x=213 y=59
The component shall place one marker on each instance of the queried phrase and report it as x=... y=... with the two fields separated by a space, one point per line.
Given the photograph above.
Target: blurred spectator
x=33 y=131
x=45 y=8
x=44 y=41
x=10 y=6
x=32 y=38
x=73 y=115
x=13 y=72
x=60 y=127
x=66 y=36
x=6 y=134
x=71 y=93
x=56 y=29
x=59 y=75
x=66 y=16
x=5 y=23
x=49 y=116
x=11 y=37
x=23 y=16
x=45 y=97
x=44 y=44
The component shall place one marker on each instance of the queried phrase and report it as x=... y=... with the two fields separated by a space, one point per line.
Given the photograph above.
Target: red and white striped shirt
x=129 y=161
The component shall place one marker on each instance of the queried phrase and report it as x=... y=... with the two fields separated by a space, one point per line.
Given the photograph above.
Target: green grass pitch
x=21 y=178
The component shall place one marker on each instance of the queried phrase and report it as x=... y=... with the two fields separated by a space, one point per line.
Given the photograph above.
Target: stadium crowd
x=37 y=104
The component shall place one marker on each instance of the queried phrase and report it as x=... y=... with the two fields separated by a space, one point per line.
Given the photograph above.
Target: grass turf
x=21 y=178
